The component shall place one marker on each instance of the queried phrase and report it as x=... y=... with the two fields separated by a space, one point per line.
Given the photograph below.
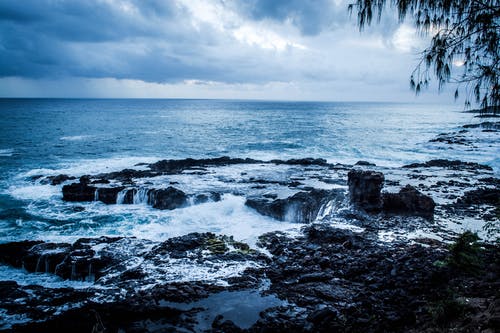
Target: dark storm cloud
x=146 y=40
x=311 y=17
x=65 y=38
x=251 y=41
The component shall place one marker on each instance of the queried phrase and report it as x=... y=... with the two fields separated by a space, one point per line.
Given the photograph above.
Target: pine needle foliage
x=464 y=48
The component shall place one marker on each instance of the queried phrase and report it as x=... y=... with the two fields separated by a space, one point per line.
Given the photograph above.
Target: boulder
x=302 y=207
x=409 y=201
x=365 y=188
x=79 y=192
x=168 y=198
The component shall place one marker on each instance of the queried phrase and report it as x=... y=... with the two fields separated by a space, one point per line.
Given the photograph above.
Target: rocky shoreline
x=326 y=278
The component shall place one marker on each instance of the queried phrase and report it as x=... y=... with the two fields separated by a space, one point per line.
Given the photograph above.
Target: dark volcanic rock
x=81 y=262
x=454 y=165
x=177 y=166
x=45 y=257
x=108 y=195
x=480 y=196
x=78 y=192
x=302 y=161
x=13 y=253
x=364 y=163
x=302 y=207
x=364 y=189
x=452 y=139
x=409 y=201
x=169 y=198
x=218 y=247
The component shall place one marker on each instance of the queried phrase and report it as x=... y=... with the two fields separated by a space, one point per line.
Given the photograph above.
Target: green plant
x=464 y=252
x=447 y=310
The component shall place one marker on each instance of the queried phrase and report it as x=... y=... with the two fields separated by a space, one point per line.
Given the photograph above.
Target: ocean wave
x=6 y=152
x=92 y=166
x=76 y=137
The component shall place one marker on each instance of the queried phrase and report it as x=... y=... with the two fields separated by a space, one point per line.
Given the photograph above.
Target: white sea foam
x=93 y=166
x=184 y=270
x=46 y=280
x=6 y=152
x=34 y=192
x=76 y=137
x=229 y=216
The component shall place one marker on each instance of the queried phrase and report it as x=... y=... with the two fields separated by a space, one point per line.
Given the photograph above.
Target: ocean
x=43 y=137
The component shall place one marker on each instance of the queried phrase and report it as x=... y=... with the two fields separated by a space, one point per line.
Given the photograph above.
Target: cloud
x=241 y=44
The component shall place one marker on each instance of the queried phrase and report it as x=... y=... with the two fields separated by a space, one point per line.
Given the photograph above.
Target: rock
x=302 y=161
x=323 y=315
x=85 y=179
x=108 y=195
x=177 y=166
x=169 y=198
x=452 y=139
x=325 y=234
x=365 y=188
x=203 y=244
x=202 y=198
x=14 y=253
x=302 y=207
x=100 y=181
x=126 y=175
x=454 y=165
x=409 y=201
x=490 y=196
x=45 y=257
x=226 y=326
x=365 y=163
x=486 y=124
x=82 y=263
x=79 y=192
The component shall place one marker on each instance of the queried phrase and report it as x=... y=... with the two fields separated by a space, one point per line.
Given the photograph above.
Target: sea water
x=89 y=136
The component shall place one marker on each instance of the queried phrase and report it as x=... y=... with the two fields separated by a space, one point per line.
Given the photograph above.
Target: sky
x=240 y=49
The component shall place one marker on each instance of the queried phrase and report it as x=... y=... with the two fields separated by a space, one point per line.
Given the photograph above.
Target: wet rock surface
x=332 y=280
x=408 y=201
x=302 y=207
x=350 y=268
x=364 y=189
x=78 y=192
x=454 y=165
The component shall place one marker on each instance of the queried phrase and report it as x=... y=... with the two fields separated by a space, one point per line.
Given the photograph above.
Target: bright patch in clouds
x=406 y=40
x=226 y=21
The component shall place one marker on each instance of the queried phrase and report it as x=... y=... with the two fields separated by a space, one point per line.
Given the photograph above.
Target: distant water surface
x=50 y=132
